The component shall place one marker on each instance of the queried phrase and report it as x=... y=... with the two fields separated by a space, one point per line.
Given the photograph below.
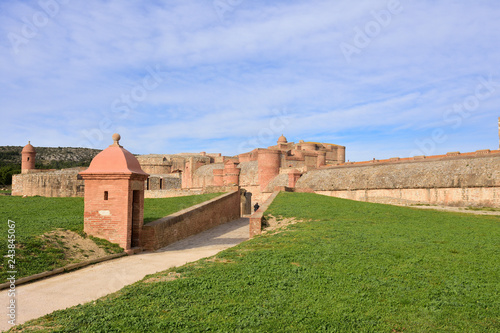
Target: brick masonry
x=110 y=216
x=191 y=221
x=114 y=197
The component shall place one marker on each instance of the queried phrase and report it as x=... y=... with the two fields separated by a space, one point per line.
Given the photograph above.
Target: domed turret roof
x=282 y=139
x=29 y=148
x=114 y=160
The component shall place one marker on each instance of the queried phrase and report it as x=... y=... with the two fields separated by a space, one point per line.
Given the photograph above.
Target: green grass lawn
x=37 y=215
x=34 y=216
x=356 y=267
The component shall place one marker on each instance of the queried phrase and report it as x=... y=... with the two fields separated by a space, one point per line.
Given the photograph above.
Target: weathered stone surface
x=278 y=181
x=58 y=183
x=481 y=171
x=249 y=173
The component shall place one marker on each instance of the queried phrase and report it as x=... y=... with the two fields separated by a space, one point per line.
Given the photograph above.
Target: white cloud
x=221 y=80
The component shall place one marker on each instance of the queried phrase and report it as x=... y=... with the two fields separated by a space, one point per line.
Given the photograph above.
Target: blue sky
x=383 y=78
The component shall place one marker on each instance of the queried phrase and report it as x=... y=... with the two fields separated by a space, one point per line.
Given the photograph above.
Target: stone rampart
x=456 y=179
x=191 y=221
x=59 y=183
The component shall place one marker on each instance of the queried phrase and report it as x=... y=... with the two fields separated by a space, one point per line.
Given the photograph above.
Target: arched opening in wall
x=28 y=159
x=161 y=183
x=147 y=184
x=106 y=195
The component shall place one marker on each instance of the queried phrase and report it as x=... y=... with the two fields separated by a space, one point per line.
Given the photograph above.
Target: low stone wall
x=454 y=181
x=59 y=183
x=257 y=217
x=191 y=221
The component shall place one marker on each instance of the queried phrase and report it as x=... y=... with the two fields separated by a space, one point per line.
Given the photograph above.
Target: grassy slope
x=359 y=267
x=35 y=216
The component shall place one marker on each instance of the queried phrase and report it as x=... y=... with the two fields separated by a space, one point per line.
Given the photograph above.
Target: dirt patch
x=220 y=260
x=275 y=223
x=35 y=328
x=164 y=278
x=76 y=248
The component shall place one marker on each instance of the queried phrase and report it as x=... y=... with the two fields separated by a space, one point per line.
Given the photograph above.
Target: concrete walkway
x=62 y=291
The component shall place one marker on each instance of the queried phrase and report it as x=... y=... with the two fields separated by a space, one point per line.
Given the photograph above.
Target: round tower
x=231 y=174
x=269 y=166
x=28 y=158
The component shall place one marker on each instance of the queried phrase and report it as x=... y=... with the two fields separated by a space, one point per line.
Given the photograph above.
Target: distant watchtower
x=28 y=158
x=114 y=196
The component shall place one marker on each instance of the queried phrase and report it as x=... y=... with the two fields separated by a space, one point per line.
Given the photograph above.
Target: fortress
x=258 y=171
x=116 y=183
x=457 y=179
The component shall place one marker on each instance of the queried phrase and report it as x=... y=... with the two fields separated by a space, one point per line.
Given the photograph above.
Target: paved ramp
x=62 y=291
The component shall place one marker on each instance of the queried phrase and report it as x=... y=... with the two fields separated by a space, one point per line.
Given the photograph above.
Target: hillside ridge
x=46 y=155
x=46 y=158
